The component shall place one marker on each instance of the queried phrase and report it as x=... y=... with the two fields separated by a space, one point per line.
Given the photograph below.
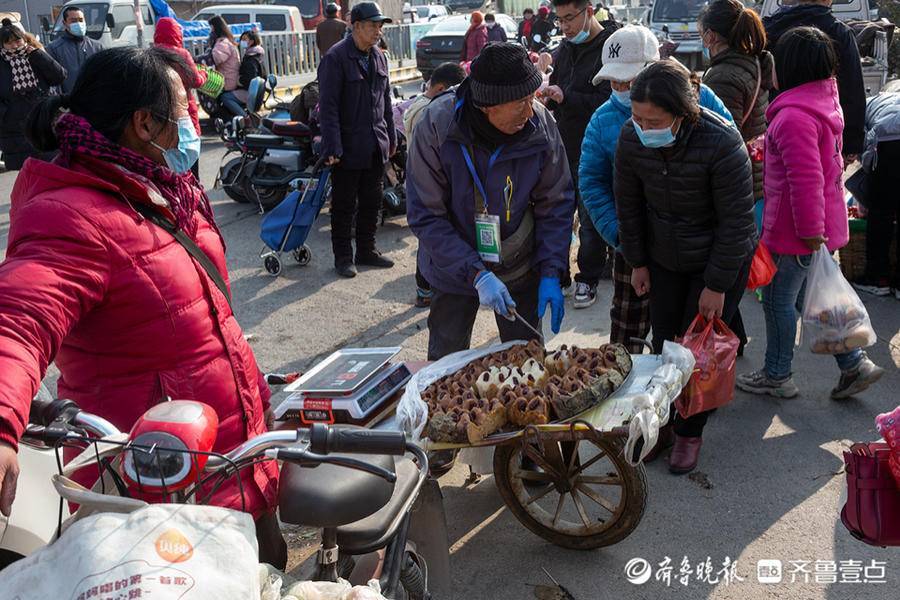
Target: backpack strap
x=188 y=244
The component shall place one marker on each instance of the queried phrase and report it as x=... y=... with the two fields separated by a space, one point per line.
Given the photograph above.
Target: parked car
x=444 y=42
x=271 y=18
x=430 y=12
x=463 y=6
x=110 y=22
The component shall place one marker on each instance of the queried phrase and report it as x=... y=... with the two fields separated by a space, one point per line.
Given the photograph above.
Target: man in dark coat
x=73 y=47
x=525 y=26
x=357 y=136
x=330 y=31
x=852 y=90
x=541 y=30
x=573 y=98
x=495 y=30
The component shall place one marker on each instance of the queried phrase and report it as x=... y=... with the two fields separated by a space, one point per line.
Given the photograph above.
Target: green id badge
x=487 y=237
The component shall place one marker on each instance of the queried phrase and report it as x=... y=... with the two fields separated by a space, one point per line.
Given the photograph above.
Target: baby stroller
x=287 y=226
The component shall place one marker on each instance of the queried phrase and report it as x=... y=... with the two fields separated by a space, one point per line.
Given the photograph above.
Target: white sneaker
x=585 y=295
x=567 y=290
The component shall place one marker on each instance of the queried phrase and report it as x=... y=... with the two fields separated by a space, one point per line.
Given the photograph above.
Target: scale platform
x=352 y=386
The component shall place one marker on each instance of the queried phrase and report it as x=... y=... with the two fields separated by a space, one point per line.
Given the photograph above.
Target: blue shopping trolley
x=287 y=226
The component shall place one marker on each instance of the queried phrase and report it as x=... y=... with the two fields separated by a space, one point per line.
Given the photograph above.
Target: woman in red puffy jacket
x=129 y=317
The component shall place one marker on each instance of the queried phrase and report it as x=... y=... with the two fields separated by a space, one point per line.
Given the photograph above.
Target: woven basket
x=853 y=255
x=215 y=84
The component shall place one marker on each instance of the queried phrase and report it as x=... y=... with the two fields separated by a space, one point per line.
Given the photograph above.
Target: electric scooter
x=363 y=507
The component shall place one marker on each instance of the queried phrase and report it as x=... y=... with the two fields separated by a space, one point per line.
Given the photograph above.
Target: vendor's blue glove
x=492 y=292
x=549 y=291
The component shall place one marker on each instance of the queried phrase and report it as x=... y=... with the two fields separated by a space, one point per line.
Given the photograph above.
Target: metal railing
x=289 y=54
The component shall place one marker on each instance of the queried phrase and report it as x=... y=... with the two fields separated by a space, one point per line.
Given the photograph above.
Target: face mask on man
x=77 y=28
x=582 y=36
x=181 y=158
x=655 y=138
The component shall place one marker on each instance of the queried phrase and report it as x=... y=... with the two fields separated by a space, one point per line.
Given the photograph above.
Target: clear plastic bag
x=835 y=320
x=412 y=412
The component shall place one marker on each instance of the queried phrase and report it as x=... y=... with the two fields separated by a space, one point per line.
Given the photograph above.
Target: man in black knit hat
x=490 y=198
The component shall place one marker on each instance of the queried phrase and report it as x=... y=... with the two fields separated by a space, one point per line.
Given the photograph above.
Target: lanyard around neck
x=480 y=193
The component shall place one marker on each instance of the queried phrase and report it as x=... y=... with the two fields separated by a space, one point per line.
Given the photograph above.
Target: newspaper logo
x=638 y=571
x=769 y=571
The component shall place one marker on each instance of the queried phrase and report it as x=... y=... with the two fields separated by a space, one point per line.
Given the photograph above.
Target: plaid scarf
x=183 y=192
x=23 y=75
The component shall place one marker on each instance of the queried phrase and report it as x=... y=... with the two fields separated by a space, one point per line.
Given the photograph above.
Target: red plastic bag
x=714 y=347
x=762 y=269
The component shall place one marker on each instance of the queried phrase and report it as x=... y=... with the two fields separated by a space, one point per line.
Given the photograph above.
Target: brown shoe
x=664 y=441
x=685 y=454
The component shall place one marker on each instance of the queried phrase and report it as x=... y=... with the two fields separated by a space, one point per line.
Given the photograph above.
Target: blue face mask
x=582 y=36
x=706 y=54
x=77 y=29
x=624 y=98
x=655 y=138
x=181 y=158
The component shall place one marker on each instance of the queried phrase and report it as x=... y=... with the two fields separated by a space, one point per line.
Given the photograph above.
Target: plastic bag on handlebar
x=412 y=412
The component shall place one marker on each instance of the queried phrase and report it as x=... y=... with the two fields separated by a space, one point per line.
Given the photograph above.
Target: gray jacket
x=882 y=125
x=71 y=52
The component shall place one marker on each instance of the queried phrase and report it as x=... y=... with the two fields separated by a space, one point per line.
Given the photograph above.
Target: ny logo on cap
x=614 y=50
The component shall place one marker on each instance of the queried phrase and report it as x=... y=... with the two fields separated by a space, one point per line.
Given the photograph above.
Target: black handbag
x=859 y=184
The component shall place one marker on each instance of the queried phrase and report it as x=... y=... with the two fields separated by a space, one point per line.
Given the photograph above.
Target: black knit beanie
x=502 y=73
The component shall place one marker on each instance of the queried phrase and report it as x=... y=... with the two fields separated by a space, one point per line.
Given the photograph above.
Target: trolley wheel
x=606 y=495
x=302 y=255
x=272 y=264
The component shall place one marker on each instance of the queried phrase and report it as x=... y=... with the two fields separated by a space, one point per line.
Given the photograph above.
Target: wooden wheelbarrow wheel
x=603 y=509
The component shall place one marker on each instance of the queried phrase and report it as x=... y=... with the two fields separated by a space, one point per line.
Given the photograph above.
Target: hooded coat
x=169 y=35
x=129 y=318
x=804 y=170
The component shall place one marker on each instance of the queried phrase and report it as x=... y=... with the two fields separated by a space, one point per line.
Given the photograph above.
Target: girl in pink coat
x=804 y=206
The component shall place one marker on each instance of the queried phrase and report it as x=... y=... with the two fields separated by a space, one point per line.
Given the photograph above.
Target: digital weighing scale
x=353 y=386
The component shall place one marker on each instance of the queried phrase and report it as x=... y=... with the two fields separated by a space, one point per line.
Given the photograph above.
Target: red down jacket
x=168 y=35
x=129 y=317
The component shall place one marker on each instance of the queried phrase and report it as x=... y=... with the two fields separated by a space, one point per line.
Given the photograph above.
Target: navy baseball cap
x=368 y=11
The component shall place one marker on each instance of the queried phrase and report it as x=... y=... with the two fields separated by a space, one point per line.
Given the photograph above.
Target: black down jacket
x=734 y=78
x=688 y=207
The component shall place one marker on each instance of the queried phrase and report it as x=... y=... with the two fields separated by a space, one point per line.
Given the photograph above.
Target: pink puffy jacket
x=228 y=62
x=129 y=317
x=804 y=190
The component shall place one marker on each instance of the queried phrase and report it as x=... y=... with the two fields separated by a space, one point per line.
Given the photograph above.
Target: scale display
x=342 y=373
x=365 y=405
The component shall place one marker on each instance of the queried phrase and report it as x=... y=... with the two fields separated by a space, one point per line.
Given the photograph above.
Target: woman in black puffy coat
x=684 y=198
x=26 y=75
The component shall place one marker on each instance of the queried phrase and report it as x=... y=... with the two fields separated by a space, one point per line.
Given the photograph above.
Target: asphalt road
x=768 y=485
